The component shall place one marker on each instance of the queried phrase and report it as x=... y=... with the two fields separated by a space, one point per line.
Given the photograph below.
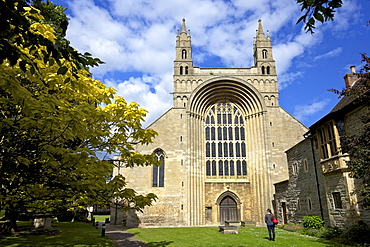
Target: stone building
x=319 y=182
x=221 y=144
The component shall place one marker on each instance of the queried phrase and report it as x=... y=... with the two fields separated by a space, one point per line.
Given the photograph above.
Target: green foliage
x=313 y=232
x=55 y=120
x=323 y=232
x=17 y=22
x=359 y=234
x=333 y=232
x=314 y=222
x=317 y=10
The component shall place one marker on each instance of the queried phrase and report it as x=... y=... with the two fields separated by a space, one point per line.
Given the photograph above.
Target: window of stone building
x=158 y=171
x=299 y=204
x=268 y=70
x=225 y=142
x=184 y=54
x=327 y=141
x=263 y=70
x=337 y=200
x=181 y=68
x=209 y=214
x=309 y=204
x=264 y=54
x=295 y=168
x=305 y=165
x=186 y=70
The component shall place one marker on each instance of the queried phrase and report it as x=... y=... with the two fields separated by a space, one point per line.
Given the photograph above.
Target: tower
x=183 y=64
x=263 y=59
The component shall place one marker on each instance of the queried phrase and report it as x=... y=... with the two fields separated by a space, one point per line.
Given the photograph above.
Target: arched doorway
x=228 y=210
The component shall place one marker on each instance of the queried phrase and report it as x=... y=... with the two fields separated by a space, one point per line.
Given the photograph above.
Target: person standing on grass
x=270 y=225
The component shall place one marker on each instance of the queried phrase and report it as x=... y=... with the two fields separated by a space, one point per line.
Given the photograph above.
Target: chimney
x=351 y=78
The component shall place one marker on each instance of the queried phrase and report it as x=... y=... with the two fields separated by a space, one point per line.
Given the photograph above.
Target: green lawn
x=209 y=236
x=100 y=218
x=72 y=234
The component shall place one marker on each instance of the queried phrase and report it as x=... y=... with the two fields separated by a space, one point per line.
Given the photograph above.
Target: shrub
x=313 y=232
x=314 y=222
x=358 y=234
x=330 y=233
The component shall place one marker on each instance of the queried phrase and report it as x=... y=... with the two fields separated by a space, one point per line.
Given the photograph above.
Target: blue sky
x=136 y=39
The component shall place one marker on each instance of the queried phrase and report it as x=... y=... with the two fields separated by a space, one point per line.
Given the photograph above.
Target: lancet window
x=225 y=142
x=158 y=171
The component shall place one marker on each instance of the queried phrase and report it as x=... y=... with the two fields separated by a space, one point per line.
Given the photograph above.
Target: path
x=120 y=237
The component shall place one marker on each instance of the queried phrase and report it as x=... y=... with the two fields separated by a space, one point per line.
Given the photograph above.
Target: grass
x=100 y=218
x=76 y=234
x=209 y=236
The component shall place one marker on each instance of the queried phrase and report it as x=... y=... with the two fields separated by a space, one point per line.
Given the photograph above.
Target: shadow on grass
x=159 y=244
x=72 y=234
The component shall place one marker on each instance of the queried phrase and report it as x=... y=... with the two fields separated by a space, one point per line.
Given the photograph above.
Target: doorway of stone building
x=285 y=217
x=228 y=210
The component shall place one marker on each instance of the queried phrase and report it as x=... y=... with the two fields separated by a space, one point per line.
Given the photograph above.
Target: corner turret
x=183 y=64
x=263 y=58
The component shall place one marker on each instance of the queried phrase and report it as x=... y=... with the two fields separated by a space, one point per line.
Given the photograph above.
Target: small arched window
x=186 y=70
x=181 y=70
x=264 y=54
x=158 y=171
x=263 y=70
x=183 y=54
x=268 y=70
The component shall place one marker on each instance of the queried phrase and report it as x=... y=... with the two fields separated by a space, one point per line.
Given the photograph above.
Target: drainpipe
x=317 y=179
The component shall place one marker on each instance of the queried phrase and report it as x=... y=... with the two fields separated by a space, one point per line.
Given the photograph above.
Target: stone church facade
x=222 y=144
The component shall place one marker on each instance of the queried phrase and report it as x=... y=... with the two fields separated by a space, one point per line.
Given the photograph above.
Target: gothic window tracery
x=225 y=142
x=158 y=171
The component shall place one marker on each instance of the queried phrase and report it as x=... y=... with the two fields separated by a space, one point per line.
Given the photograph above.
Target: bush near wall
x=354 y=235
x=314 y=222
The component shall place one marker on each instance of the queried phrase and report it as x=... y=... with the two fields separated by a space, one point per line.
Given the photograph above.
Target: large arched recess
x=231 y=89
x=250 y=102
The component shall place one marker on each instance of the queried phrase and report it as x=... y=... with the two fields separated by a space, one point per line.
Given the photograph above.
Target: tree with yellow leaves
x=55 y=119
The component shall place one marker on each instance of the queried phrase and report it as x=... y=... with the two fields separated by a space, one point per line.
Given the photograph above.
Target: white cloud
x=151 y=93
x=330 y=54
x=288 y=78
x=345 y=17
x=302 y=112
x=139 y=36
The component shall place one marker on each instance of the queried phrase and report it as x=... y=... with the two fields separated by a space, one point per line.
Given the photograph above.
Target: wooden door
x=228 y=210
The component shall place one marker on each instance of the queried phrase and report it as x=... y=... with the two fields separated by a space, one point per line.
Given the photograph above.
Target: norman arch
x=232 y=89
x=251 y=106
